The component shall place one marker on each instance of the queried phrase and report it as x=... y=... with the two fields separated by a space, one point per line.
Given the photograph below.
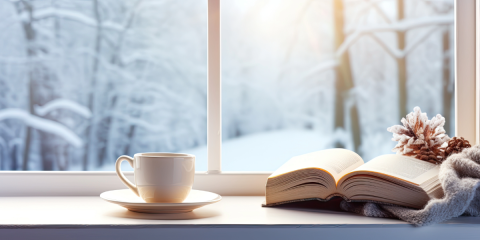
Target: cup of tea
x=160 y=177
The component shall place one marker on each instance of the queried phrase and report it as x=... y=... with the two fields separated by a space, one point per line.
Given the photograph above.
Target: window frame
x=77 y=183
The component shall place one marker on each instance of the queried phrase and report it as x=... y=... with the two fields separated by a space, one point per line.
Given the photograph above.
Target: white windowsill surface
x=232 y=218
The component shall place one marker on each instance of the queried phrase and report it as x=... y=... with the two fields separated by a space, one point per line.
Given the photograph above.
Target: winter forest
x=85 y=81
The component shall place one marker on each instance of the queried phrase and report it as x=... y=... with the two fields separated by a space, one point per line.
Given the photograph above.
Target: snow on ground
x=267 y=151
x=264 y=151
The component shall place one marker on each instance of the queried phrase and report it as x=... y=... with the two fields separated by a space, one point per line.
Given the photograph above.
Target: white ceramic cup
x=160 y=177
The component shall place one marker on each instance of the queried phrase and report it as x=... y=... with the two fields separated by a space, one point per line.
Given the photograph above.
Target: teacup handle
x=122 y=177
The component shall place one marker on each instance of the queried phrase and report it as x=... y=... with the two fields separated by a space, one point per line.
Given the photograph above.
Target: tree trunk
x=28 y=137
x=402 y=64
x=344 y=82
x=447 y=92
x=91 y=149
x=131 y=133
x=30 y=38
x=62 y=155
x=41 y=87
x=105 y=151
x=47 y=151
x=16 y=157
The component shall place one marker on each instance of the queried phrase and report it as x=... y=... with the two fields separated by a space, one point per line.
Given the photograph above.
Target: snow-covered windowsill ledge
x=235 y=217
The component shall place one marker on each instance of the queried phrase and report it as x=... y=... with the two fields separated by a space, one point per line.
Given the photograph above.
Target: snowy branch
x=23 y=60
x=362 y=11
x=439 y=1
x=397 y=53
x=67 y=14
x=65 y=104
x=141 y=123
x=400 y=26
x=42 y=125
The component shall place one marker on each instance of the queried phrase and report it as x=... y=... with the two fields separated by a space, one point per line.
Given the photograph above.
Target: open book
x=391 y=179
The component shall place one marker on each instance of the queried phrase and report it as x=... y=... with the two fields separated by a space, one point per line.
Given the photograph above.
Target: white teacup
x=160 y=177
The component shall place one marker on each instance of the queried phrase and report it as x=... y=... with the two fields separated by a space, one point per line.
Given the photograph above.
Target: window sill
x=232 y=218
x=90 y=183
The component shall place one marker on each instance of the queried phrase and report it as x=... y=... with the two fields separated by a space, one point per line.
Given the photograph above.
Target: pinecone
x=456 y=145
x=428 y=155
x=420 y=137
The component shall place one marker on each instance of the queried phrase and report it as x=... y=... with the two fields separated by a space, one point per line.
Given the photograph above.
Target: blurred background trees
x=109 y=77
x=83 y=82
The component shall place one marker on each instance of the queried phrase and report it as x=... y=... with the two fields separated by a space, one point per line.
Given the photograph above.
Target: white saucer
x=127 y=199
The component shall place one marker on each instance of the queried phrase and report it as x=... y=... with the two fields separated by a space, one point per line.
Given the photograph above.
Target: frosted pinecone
x=419 y=133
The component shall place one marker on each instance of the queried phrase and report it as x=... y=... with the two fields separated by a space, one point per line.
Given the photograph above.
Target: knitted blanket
x=460 y=179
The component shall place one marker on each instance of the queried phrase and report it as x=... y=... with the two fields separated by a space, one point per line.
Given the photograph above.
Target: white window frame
x=467 y=118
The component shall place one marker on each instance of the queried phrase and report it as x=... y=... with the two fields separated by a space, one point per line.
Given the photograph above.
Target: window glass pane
x=83 y=82
x=300 y=76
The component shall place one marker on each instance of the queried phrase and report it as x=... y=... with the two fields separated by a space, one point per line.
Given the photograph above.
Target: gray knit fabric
x=460 y=179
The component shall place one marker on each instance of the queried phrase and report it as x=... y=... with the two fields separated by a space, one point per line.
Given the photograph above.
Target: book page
x=337 y=162
x=405 y=168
